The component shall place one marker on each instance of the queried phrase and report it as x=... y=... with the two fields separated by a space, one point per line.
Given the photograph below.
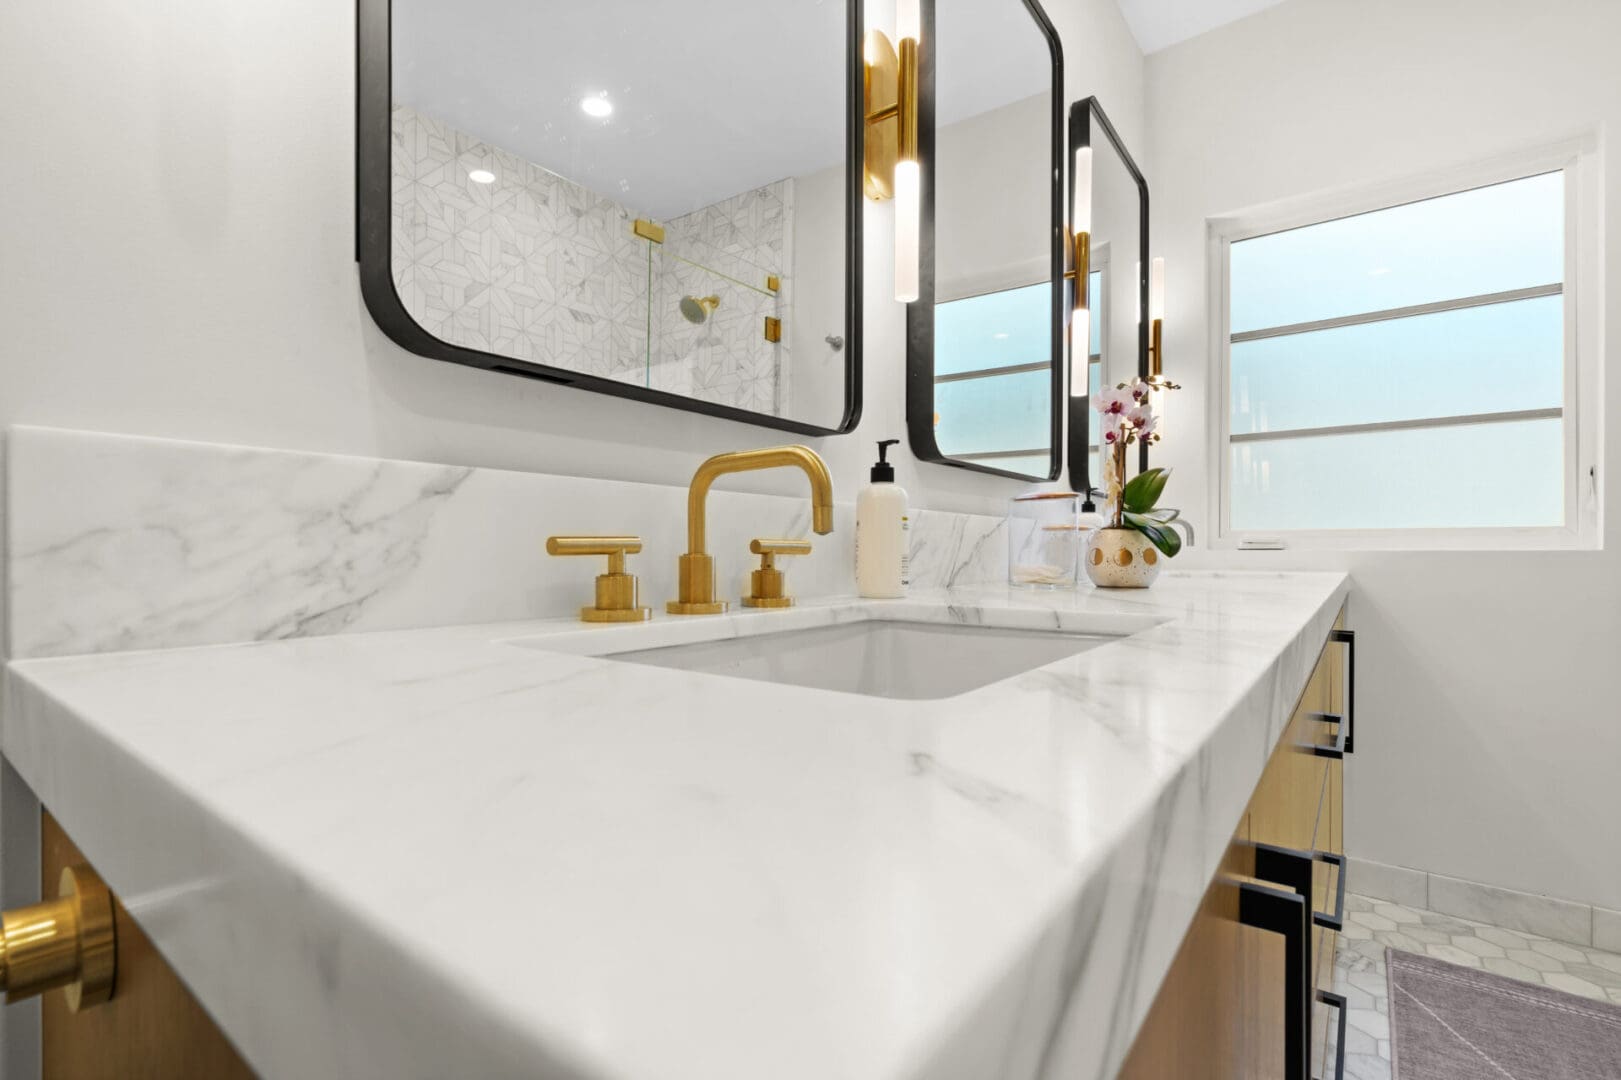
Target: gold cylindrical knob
x=67 y=942
x=616 y=590
x=768 y=586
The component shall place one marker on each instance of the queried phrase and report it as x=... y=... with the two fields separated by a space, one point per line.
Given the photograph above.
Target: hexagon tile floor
x=1373 y=925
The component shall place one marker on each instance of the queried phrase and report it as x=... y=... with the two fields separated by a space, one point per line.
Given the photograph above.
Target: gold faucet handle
x=768 y=586
x=616 y=589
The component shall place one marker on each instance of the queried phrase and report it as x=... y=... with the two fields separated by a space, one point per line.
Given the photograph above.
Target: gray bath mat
x=1454 y=1023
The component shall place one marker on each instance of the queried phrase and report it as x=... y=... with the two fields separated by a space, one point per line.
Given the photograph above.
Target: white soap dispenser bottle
x=882 y=527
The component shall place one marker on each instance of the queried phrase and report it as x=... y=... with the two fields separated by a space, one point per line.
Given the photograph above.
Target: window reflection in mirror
x=993 y=312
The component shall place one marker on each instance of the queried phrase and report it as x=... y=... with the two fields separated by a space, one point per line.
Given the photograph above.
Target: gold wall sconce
x=1080 y=218
x=68 y=942
x=890 y=107
x=1156 y=316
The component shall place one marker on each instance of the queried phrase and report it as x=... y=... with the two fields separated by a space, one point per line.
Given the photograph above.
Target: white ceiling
x=1158 y=24
x=712 y=97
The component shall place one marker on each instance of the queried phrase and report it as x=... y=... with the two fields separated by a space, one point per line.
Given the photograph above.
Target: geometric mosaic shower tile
x=535 y=267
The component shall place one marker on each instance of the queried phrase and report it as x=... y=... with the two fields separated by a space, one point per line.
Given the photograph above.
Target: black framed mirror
x=620 y=197
x=985 y=337
x=1109 y=214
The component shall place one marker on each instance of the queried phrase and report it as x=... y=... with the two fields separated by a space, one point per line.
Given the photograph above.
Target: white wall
x=1488 y=734
x=176 y=257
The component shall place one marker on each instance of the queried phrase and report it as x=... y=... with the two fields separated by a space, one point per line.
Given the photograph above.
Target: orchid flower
x=1113 y=402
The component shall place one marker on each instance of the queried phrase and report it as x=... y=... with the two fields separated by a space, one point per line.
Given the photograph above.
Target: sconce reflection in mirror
x=1156 y=315
x=1080 y=327
x=892 y=170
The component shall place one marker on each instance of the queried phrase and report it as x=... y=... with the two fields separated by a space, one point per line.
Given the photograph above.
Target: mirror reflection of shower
x=697 y=309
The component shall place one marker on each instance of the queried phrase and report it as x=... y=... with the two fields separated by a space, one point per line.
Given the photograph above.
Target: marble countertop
x=433 y=853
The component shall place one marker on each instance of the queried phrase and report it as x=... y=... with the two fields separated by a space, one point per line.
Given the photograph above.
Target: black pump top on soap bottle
x=882 y=471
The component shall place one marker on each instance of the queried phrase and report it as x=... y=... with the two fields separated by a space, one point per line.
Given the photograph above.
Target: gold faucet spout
x=697 y=577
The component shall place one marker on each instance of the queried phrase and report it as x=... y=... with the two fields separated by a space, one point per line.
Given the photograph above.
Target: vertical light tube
x=1080 y=353
x=908 y=20
x=908 y=212
x=1080 y=213
x=908 y=181
x=1080 y=330
x=1156 y=313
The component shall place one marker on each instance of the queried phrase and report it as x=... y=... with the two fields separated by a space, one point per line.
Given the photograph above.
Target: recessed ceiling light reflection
x=596 y=105
x=481 y=176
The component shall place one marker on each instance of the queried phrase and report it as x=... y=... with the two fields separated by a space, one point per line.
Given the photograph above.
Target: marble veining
x=719 y=878
x=166 y=543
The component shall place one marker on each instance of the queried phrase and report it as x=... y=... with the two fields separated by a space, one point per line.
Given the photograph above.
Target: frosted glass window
x=1349 y=410
x=992 y=330
x=1487 y=240
x=995 y=414
x=1496 y=475
x=1498 y=358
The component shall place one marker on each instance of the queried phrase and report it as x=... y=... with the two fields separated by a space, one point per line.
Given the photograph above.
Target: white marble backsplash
x=119 y=542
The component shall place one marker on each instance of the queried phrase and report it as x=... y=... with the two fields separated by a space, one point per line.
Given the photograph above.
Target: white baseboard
x=1549 y=916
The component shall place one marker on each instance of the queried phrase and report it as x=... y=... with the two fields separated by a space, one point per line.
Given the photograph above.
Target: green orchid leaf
x=1143 y=490
x=1162 y=514
x=1168 y=540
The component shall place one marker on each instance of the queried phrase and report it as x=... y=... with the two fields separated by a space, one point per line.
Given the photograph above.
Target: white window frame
x=1583 y=400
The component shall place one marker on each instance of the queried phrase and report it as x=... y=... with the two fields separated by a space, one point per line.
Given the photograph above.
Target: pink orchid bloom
x=1112 y=402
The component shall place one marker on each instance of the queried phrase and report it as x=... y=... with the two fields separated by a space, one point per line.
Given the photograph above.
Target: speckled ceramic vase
x=1120 y=558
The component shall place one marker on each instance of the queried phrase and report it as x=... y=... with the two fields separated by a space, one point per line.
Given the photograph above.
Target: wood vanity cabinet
x=151 y=1029
x=1220 y=1013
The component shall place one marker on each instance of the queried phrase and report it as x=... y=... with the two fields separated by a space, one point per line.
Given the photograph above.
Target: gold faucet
x=697 y=583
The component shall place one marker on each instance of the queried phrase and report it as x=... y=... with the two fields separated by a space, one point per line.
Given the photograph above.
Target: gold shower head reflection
x=697 y=309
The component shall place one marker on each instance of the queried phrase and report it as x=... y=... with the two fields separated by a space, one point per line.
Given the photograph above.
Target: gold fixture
x=697 y=309
x=768 y=585
x=773 y=282
x=890 y=102
x=616 y=590
x=1082 y=272
x=881 y=101
x=773 y=328
x=1156 y=315
x=648 y=230
x=696 y=594
x=67 y=942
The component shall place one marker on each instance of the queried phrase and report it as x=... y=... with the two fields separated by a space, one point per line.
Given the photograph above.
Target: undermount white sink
x=911 y=660
x=882 y=654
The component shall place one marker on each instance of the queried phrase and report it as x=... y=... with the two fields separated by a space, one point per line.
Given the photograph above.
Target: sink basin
x=891 y=651
x=910 y=660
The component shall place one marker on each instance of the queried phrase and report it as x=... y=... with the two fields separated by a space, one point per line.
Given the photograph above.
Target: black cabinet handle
x=1342 y=740
x=1292 y=868
x=1284 y=911
x=1336 y=1001
x=1263 y=907
x=1348 y=639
